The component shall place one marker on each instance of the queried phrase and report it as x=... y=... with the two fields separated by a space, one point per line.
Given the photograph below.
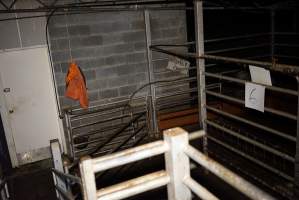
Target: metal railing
x=176 y=176
x=102 y=128
x=63 y=181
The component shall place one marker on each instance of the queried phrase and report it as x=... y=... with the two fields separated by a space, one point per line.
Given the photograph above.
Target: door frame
x=7 y=128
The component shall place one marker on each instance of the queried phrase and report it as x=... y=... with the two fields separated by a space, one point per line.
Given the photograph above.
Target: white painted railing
x=177 y=152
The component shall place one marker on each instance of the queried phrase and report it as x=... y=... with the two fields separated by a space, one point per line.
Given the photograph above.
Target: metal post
x=58 y=165
x=198 y=14
x=154 y=124
x=177 y=164
x=88 y=179
x=296 y=174
x=69 y=149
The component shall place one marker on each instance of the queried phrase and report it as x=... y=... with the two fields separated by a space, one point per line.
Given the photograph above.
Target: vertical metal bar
x=69 y=135
x=296 y=174
x=272 y=19
x=88 y=179
x=154 y=124
x=198 y=14
x=58 y=165
x=177 y=163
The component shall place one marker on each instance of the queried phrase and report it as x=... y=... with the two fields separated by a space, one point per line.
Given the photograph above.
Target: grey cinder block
x=109 y=93
x=127 y=90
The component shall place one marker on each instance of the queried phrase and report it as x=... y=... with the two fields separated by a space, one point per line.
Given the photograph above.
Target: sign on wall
x=177 y=64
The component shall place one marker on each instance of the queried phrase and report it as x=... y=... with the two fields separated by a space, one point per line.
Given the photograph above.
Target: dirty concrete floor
x=32 y=182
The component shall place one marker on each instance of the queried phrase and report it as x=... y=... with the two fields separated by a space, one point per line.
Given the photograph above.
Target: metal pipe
x=287 y=69
x=283 y=68
x=175 y=85
x=296 y=167
x=129 y=155
x=93 y=132
x=228 y=176
x=286 y=33
x=189 y=79
x=134 y=186
x=98 y=147
x=248 y=174
x=196 y=134
x=166 y=106
x=237 y=80
x=199 y=190
x=177 y=93
x=150 y=69
x=252 y=159
x=265 y=128
x=270 y=110
x=256 y=143
x=65 y=176
x=127 y=140
x=287 y=45
x=95 y=108
x=97 y=114
x=95 y=5
x=166 y=71
x=101 y=121
x=236 y=37
x=237 y=48
x=63 y=193
x=286 y=56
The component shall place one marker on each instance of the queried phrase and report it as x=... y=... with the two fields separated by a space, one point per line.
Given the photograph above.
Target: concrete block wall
x=110 y=49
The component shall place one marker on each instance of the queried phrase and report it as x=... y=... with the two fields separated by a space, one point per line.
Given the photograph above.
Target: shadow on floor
x=32 y=182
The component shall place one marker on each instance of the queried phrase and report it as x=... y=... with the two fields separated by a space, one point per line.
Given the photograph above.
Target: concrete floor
x=32 y=182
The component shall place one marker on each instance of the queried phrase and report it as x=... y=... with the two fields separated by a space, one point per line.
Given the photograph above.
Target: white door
x=29 y=102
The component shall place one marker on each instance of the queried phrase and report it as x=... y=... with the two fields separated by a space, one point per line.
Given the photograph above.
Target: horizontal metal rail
x=97 y=114
x=283 y=68
x=134 y=186
x=237 y=48
x=252 y=159
x=129 y=155
x=101 y=121
x=288 y=69
x=257 y=125
x=177 y=93
x=94 y=132
x=196 y=135
x=199 y=190
x=286 y=33
x=189 y=79
x=246 y=139
x=237 y=80
x=99 y=108
x=286 y=45
x=237 y=37
x=182 y=102
x=235 y=100
x=117 y=133
x=67 y=177
x=228 y=176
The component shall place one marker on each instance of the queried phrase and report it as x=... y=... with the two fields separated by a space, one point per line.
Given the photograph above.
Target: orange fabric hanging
x=76 y=85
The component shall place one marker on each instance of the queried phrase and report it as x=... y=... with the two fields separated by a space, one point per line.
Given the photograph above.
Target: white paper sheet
x=260 y=75
x=254 y=96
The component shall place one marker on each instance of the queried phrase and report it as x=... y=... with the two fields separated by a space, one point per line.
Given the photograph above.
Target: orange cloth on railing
x=76 y=85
